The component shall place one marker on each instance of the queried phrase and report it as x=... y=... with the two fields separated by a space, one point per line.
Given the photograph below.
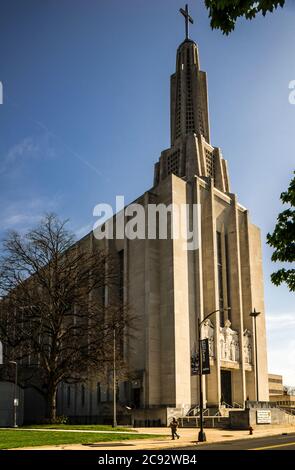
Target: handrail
x=239 y=405
x=226 y=404
x=193 y=411
x=196 y=412
x=289 y=412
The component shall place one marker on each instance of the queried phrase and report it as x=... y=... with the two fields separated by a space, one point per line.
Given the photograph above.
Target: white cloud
x=28 y=148
x=27 y=145
x=82 y=231
x=16 y=220
x=281 y=345
x=278 y=320
x=22 y=215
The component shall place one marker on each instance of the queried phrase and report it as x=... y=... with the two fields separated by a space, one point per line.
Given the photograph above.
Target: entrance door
x=226 y=387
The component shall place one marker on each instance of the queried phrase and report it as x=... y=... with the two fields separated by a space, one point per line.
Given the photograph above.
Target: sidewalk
x=188 y=437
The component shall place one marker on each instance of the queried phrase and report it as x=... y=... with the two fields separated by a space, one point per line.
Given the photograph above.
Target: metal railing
x=193 y=411
x=287 y=410
x=226 y=405
x=234 y=405
x=194 y=421
x=237 y=405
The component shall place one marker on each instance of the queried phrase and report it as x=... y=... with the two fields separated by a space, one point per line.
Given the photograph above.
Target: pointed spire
x=189 y=101
x=191 y=153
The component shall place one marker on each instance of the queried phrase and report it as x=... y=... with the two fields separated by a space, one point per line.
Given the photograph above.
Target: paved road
x=281 y=442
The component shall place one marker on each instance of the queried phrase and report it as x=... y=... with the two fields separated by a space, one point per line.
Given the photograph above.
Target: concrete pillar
x=211 y=287
x=238 y=376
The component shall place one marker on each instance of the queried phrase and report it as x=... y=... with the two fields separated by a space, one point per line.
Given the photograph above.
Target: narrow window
x=83 y=395
x=68 y=396
x=121 y=275
x=220 y=278
x=228 y=289
x=98 y=393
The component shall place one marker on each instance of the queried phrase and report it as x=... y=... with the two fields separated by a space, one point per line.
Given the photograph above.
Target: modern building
x=170 y=287
x=275 y=383
x=285 y=401
x=172 y=283
x=283 y=397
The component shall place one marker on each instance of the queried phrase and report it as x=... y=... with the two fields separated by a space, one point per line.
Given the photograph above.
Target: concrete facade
x=275 y=384
x=169 y=287
x=250 y=416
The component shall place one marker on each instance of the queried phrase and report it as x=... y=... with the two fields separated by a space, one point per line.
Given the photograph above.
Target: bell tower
x=189 y=102
x=191 y=152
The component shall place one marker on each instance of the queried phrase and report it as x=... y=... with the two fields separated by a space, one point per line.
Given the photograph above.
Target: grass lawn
x=11 y=438
x=84 y=427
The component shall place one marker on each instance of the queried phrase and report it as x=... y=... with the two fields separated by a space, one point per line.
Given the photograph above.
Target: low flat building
x=275 y=385
x=285 y=401
x=280 y=395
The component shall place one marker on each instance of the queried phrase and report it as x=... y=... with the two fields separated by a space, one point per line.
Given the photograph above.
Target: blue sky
x=86 y=115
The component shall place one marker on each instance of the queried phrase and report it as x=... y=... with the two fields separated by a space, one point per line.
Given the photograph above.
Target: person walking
x=174 y=426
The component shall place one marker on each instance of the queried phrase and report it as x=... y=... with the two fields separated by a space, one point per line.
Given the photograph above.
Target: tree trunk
x=51 y=403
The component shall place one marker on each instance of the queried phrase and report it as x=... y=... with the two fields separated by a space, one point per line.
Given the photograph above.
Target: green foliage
x=82 y=427
x=224 y=13
x=58 y=420
x=12 y=439
x=283 y=240
x=61 y=420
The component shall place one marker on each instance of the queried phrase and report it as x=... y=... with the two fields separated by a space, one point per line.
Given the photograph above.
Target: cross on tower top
x=188 y=19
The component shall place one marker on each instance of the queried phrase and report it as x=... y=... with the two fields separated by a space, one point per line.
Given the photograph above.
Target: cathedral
x=171 y=289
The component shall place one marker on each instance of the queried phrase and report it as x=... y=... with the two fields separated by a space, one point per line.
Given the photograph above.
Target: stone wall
x=245 y=418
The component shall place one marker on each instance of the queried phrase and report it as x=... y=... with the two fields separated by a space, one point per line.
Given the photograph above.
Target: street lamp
x=254 y=315
x=202 y=435
x=114 y=380
x=15 y=399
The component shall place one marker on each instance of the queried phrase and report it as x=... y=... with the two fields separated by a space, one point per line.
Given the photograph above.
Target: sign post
x=205 y=356
x=205 y=359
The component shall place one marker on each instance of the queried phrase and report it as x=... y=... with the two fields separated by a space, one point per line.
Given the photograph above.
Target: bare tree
x=54 y=315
